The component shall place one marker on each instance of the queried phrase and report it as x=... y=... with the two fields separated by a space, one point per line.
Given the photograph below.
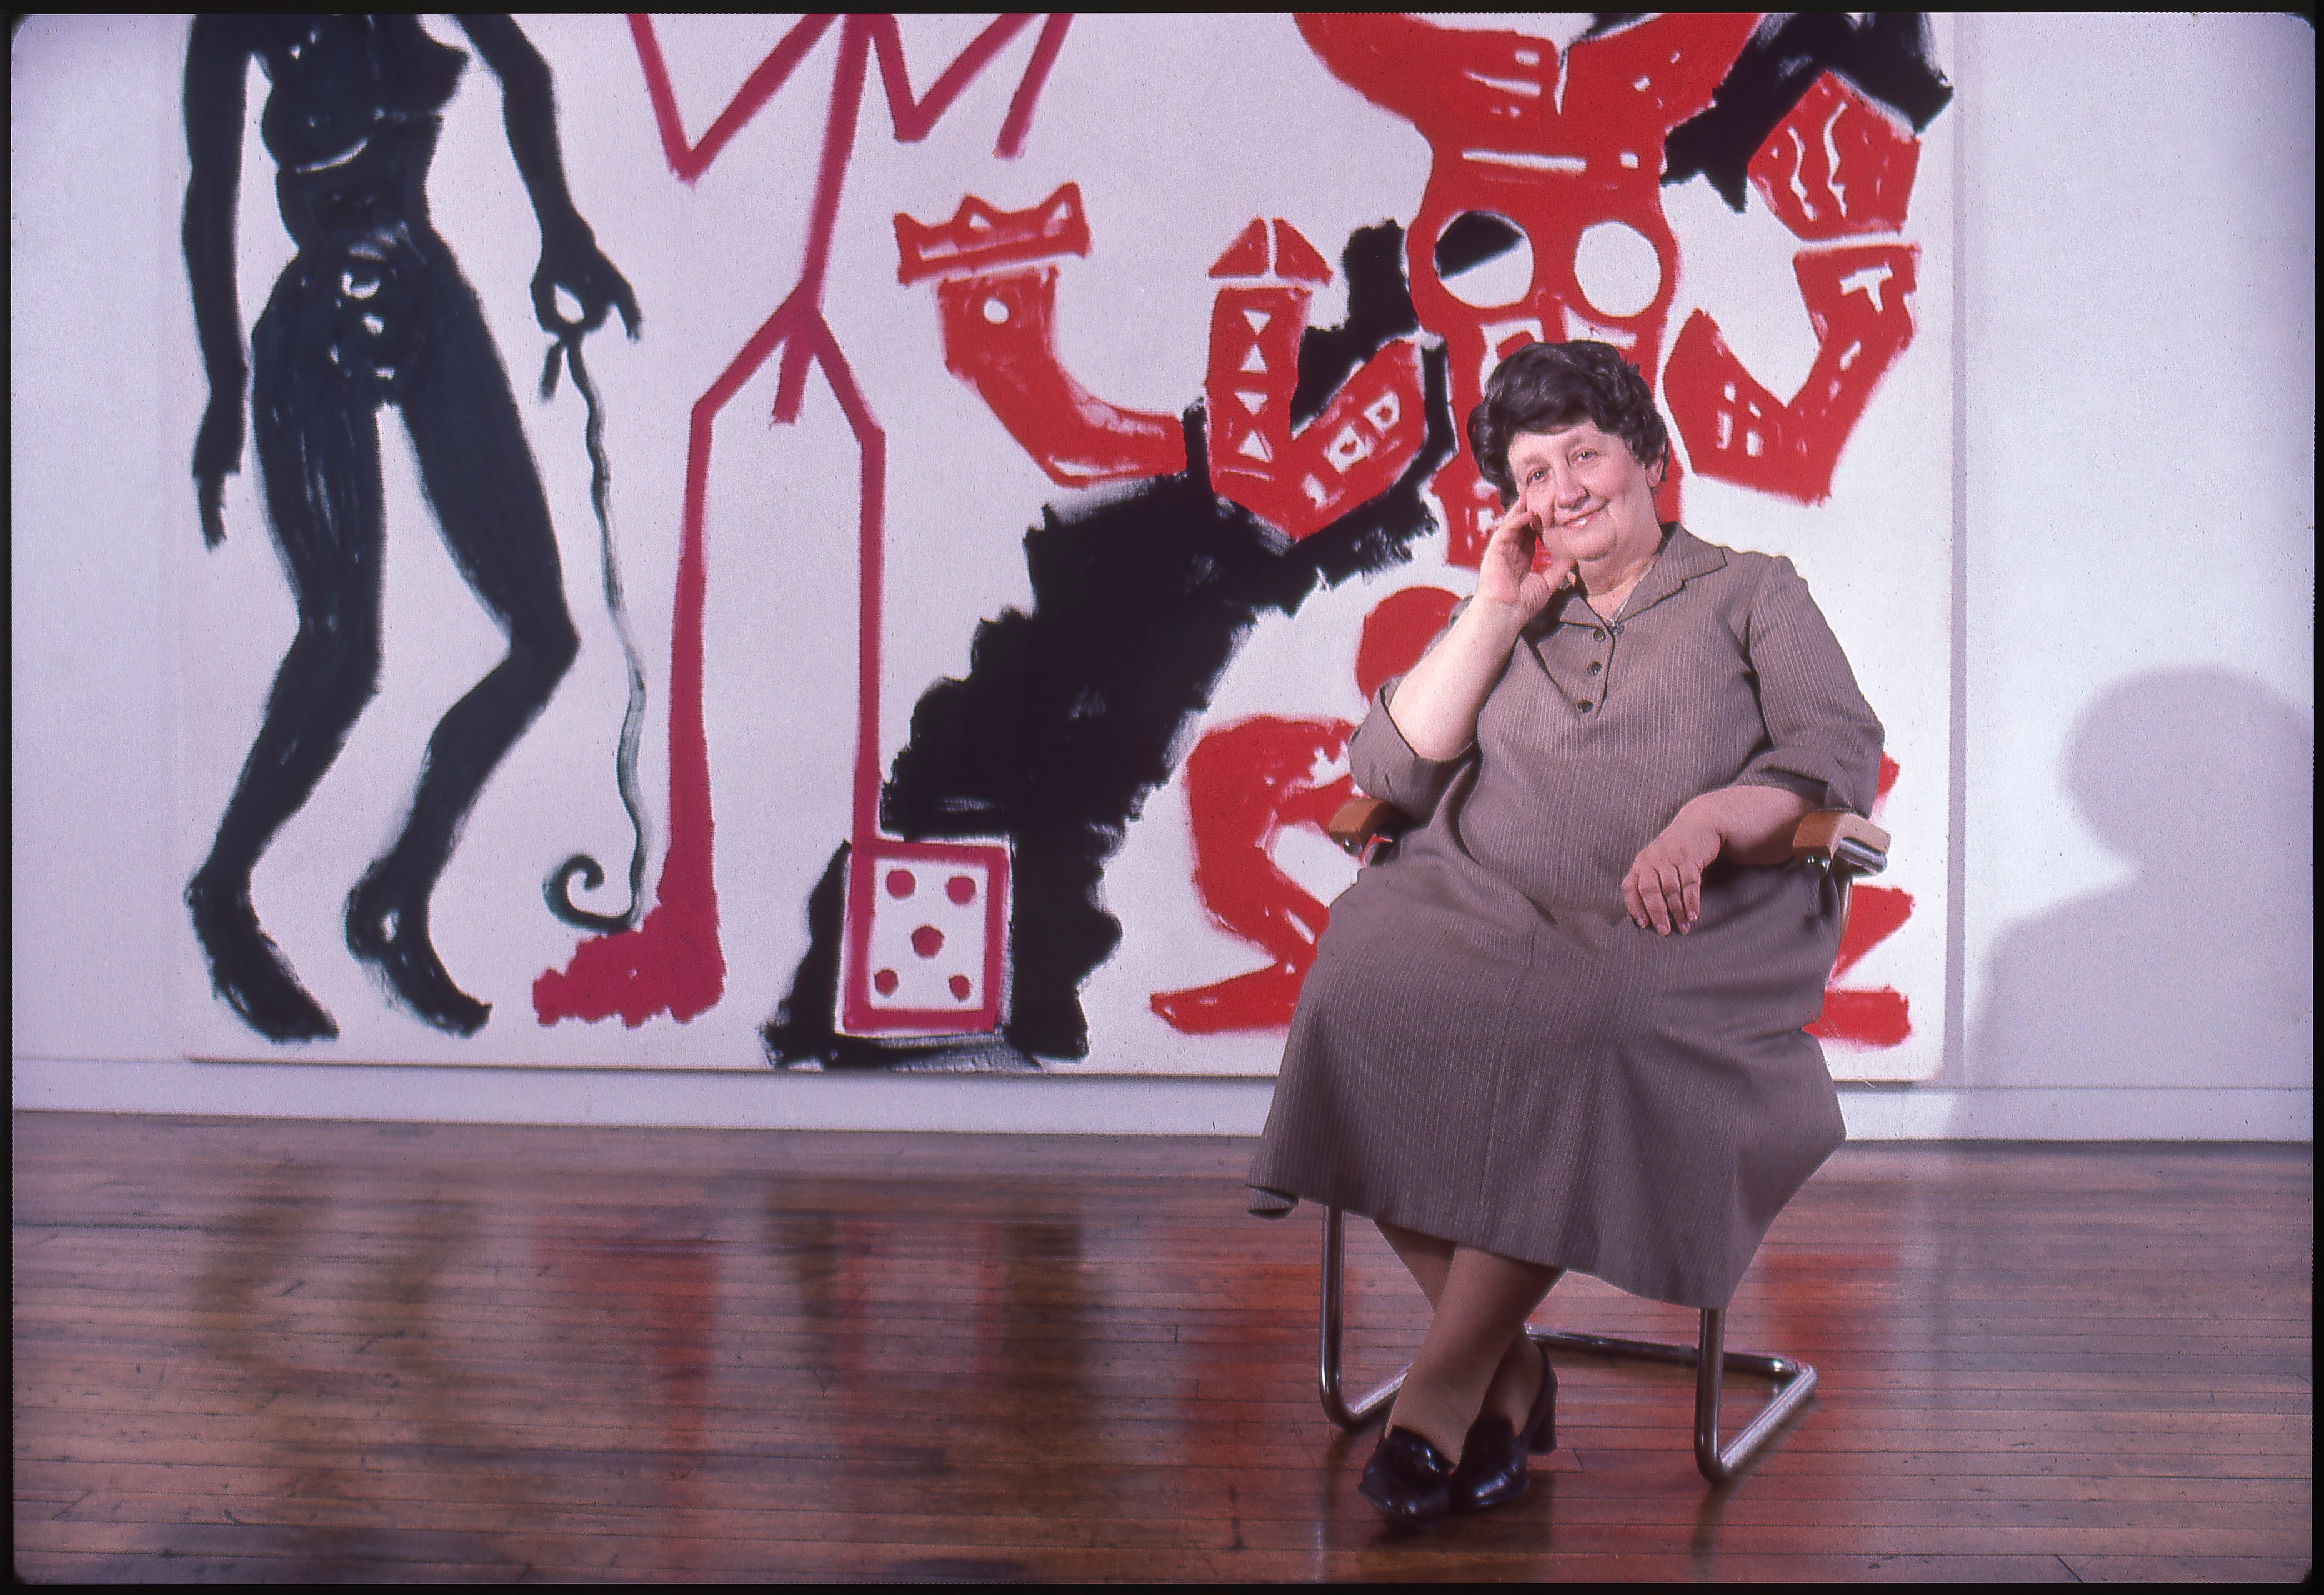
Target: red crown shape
x=979 y=237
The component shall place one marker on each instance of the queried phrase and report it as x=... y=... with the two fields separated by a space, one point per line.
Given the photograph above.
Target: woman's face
x=1586 y=490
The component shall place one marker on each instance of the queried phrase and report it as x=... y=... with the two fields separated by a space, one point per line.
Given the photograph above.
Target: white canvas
x=1178 y=134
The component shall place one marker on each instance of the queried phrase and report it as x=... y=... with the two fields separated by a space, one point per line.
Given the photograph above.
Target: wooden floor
x=261 y=1349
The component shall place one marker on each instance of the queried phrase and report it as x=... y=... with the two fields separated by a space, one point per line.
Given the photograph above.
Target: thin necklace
x=1624 y=607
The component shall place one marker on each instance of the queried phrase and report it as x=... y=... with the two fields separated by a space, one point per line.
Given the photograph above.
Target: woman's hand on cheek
x=1521 y=569
x=1663 y=890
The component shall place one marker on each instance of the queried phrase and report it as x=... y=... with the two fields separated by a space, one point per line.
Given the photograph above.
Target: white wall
x=2133 y=747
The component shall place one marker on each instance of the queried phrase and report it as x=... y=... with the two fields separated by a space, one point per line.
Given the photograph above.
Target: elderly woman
x=1561 y=1026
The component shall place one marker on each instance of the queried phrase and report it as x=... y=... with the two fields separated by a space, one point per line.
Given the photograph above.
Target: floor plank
x=275 y=1351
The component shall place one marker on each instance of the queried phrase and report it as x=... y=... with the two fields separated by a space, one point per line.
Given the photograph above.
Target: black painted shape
x=1380 y=311
x=1602 y=22
x=558 y=890
x=372 y=312
x=1474 y=237
x=1889 y=56
x=1072 y=713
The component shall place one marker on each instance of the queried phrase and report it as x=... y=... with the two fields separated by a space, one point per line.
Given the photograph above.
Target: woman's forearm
x=1435 y=705
x=1755 y=824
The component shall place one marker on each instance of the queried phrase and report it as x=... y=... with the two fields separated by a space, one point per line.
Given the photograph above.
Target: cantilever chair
x=1830 y=839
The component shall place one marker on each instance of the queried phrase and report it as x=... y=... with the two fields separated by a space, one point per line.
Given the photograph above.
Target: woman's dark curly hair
x=1543 y=387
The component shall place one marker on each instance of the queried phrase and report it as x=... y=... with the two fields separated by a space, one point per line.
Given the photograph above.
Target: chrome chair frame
x=1795 y=1381
x=1829 y=839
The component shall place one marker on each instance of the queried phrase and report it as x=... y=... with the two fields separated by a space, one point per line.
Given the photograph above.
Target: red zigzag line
x=911 y=117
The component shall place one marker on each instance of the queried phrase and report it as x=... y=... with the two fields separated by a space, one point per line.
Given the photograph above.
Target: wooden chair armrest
x=1362 y=821
x=1840 y=837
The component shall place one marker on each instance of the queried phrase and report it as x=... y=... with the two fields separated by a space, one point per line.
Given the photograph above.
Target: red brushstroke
x=1296 y=260
x=1877 y=1018
x=1246 y=257
x=980 y=238
x=671 y=962
x=999 y=317
x=1877 y=1015
x=1351 y=452
x=1738 y=431
x=1246 y=783
x=1398 y=631
x=1555 y=148
x=1837 y=166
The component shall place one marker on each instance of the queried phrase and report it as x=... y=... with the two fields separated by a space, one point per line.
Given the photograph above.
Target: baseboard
x=1052 y=1105
x=2080 y=1113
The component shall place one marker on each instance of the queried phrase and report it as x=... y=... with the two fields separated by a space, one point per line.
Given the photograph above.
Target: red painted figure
x=1568 y=150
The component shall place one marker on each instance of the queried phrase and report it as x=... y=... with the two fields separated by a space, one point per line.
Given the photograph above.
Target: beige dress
x=1487 y=1050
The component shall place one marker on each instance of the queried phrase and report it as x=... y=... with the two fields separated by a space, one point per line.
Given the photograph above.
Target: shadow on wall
x=2197 y=970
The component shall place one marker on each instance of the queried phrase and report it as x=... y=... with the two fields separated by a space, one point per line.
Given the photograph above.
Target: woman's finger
x=1517 y=529
x=1658 y=900
x=1633 y=899
x=1675 y=894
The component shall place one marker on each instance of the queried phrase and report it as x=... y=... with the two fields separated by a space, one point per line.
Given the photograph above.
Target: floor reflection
x=319 y=1338
x=358 y=1352
x=633 y=1311
x=950 y=1331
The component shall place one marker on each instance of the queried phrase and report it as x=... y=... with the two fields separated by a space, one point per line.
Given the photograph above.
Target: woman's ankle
x=1432 y=1423
x=1516 y=1383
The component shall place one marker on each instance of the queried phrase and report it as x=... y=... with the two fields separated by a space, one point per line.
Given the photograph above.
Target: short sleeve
x=1824 y=740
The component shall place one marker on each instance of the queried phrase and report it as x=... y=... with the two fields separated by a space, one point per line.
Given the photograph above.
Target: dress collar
x=1682 y=557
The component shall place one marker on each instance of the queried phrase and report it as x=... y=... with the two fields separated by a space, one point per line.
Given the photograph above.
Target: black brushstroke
x=1888 y=56
x=1070 y=714
x=559 y=887
x=372 y=312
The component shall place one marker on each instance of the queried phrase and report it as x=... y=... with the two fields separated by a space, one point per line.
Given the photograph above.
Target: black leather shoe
x=1493 y=1457
x=1493 y=1467
x=1406 y=1479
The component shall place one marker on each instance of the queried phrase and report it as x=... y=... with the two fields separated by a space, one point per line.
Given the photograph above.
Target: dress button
x=1597 y=635
x=1595 y=667
x=1582 y=704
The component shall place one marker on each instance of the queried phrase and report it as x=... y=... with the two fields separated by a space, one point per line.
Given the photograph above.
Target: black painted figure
x=373 y=311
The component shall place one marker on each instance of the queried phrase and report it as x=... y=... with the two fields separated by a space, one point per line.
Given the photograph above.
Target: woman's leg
x=1424 y=1256
x=317 y=446
x=480 y=477
x=1475 y=1351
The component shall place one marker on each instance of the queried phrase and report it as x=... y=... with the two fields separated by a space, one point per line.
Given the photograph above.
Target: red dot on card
x=886 y=980
x=960 y=987
x=899 y=883
x=961 y=889
x=928 y=940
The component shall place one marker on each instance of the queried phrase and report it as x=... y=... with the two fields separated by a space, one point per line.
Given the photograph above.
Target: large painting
x=859 y=543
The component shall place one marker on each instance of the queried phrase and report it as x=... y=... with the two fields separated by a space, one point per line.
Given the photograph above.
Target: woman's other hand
x=1751 y=825
x=1522 y=568
x=1663 y=887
